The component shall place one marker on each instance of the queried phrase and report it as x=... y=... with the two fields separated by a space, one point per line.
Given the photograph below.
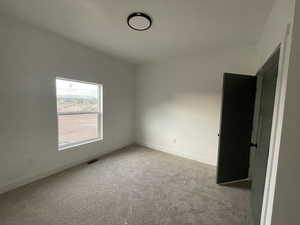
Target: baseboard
x=27 y=180
x=180 y=154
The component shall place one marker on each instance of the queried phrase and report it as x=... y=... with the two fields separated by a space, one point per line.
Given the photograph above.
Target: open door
x=267 y=80
x=236 y=127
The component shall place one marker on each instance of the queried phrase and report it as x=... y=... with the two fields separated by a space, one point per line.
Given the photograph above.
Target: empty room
x=140 y=112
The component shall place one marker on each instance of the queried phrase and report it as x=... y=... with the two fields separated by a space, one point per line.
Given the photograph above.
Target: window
x=79 y=112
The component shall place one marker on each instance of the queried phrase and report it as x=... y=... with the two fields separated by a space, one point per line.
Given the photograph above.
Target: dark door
x=267 y=78
x=236 y=127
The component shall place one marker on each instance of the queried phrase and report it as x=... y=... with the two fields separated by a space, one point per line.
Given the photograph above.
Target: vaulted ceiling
x=179 y=26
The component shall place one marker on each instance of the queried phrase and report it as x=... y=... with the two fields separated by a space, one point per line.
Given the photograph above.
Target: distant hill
x=75 y=97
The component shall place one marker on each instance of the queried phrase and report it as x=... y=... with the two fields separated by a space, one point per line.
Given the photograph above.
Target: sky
x=67 y=87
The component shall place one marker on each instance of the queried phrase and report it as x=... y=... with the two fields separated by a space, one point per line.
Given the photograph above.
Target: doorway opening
x=245 y=131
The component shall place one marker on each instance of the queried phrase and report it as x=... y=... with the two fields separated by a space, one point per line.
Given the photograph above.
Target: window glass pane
x=77 y=128
x=75 y=96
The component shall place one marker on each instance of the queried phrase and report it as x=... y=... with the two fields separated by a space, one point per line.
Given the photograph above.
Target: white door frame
x=269 y=191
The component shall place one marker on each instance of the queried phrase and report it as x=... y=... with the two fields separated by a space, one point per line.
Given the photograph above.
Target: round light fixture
x=139 y=21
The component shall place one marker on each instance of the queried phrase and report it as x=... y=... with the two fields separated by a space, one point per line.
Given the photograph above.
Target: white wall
x=179 y=102
x=287 y=196
x=30 y=59
x=281 y=14
x=275 y=33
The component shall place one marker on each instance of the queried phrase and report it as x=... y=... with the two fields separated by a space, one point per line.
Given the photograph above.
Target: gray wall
x=179 y=101
x=281 y=14
x=30 y=59
x=287 y=196
x=274 y=34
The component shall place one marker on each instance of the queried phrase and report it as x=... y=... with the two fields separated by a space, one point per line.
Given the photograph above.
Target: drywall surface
x=282 y=13
x=287 y=197
x=278 y=31
x=179 y=102
x=30 y=60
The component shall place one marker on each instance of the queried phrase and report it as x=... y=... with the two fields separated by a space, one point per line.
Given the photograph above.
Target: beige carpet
x=135 y=186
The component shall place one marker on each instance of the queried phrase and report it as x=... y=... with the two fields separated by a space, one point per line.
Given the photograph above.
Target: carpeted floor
x=135 y=186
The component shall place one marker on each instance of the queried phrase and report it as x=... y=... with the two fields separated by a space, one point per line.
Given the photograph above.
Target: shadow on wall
x=179 y=103
x=180 y=117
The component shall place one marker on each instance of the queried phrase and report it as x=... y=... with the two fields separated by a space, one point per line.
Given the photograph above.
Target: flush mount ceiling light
x=139 y=21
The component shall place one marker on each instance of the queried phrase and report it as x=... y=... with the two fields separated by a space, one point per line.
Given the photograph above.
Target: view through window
x=79 y=113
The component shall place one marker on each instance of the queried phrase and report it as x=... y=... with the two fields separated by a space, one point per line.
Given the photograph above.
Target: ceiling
x=180 y=27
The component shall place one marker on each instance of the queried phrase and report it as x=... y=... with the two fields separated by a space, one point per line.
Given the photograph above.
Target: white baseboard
x=29 y=179
x=180 y=154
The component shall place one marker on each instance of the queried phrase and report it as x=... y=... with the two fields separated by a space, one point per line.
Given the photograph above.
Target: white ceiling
x=179 y=26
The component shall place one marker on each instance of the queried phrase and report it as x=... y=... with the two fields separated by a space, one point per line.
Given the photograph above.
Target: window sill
x=79 y=144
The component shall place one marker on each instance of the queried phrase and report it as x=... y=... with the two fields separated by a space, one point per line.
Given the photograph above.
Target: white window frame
x=99 y=114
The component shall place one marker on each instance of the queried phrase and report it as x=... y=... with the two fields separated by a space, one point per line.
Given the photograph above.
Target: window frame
x=99 y=114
